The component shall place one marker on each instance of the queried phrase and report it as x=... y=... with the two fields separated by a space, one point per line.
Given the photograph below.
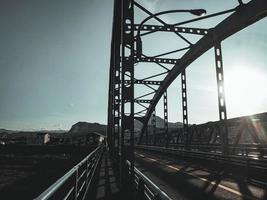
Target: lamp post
x=197 y=12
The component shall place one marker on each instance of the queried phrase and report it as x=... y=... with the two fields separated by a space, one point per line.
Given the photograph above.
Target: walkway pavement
x=107 y=182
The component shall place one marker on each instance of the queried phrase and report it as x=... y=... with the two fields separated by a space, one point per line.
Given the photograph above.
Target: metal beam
x=154 y=126
x=144 y=82
x=114 y=89
x=127 y=95
x=220 y=80
x=221 y=95
x=165 y=118
x=157 y=60
x=170 y=28
x=184 y=99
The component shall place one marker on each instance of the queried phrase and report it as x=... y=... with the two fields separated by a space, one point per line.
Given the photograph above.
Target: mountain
x=7 y=131
x=159 y=123
x=33 y=131
x=82 y=128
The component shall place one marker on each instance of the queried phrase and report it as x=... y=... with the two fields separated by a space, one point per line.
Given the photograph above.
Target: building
x=38 y=139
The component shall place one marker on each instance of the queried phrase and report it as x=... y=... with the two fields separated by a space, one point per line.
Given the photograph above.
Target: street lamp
x=197 y=12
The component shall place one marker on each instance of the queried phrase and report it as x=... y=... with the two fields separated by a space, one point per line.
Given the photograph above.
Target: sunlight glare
x=245 y=91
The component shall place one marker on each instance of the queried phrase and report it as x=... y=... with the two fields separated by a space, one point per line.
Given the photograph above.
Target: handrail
x=247 y=161
x=91 y=166
x=146 y=186
x=246 y=149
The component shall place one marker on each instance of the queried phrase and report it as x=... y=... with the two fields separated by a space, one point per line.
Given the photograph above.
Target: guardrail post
x=76 y=183
x=87 y=172
x=141 y=189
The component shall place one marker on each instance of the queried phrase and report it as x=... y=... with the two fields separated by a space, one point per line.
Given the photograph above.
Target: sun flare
x=246 y=91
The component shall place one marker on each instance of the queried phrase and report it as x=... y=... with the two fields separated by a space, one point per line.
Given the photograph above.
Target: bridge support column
x=221 y=96
x=165 y=107
x=121 y=92
x=115 y=87
x=117 y=94
x=127 y=95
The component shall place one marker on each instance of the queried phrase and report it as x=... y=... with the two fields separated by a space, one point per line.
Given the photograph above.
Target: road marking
x=154 y=160
x=206 y=180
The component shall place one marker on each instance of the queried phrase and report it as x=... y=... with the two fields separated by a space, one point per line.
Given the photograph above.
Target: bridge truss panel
x=127 y=52
x=254 y=11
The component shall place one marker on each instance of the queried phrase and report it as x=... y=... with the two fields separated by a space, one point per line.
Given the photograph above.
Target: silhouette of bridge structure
x=224 y=159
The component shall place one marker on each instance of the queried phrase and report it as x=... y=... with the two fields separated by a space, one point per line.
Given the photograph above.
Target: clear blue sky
x=54 y=60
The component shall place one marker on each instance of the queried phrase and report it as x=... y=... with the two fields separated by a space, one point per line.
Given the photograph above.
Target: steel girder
x=121 y=91
x=246 y=135
x=245 y=15
x=114 y=83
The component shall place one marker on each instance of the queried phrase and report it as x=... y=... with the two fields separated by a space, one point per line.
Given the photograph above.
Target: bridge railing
x=76 y=182
x=146 y=189
x=246 y=161
x=241 y=149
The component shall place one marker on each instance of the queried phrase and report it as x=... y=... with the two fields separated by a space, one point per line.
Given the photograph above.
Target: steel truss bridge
x=223 y=141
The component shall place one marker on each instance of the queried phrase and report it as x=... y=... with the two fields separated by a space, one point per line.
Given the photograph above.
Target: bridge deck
x=188 y=179
x=107 y=183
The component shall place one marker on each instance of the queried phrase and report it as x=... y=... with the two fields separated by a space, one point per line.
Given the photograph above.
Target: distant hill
x=159 y=123
x=7 y=131
x=82 y=128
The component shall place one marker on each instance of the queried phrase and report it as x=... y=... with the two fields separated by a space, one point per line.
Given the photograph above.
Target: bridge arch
x=244 y=16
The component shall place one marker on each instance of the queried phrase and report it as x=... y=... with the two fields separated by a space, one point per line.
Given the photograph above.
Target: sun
x=246 y=91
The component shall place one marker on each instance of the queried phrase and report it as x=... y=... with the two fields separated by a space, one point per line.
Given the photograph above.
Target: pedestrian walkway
x=107 y=183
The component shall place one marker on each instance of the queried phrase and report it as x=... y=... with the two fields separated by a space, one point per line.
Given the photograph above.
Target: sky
x=54 y=61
